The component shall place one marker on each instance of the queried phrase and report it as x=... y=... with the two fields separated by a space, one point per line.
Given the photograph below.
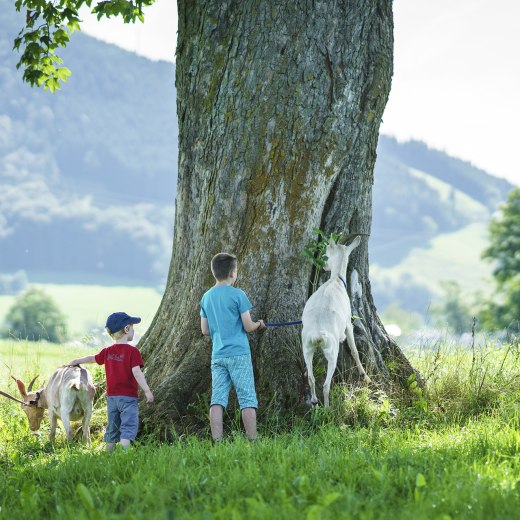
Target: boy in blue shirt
x=224 y=315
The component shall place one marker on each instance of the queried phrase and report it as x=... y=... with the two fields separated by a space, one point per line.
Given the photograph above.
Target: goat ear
x=355 y=242
x=332 y=242
x=21 y=388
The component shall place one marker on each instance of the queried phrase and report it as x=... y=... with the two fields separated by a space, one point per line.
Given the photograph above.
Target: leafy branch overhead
x=48 y=26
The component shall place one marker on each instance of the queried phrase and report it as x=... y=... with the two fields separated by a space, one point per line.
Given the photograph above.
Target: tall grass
x=330 y=473
x=448 y=451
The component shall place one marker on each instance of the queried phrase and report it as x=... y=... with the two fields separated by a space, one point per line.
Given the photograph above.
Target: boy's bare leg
x=125 y=443
x=110 y=446
x=249 y=420
x=216 y=421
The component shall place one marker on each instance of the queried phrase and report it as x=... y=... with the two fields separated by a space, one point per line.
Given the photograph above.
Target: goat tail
x=319 y=339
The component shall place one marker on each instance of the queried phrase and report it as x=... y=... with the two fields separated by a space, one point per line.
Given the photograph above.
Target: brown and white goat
x=69 y=395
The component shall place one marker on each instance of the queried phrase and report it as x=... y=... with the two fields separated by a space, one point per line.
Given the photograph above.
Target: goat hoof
x=367 y=380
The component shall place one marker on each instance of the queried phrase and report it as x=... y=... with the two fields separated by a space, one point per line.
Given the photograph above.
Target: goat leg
x=308 y=354
x=331 y=354
x=65 y=419
x=53 y=419
x=87 y=414
x=353 y=350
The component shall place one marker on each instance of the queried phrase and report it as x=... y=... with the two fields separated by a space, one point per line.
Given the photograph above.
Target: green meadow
x=86 y=307
x=450 y=451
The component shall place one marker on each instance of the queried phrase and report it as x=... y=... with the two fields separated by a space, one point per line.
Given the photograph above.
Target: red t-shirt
x=119 y=359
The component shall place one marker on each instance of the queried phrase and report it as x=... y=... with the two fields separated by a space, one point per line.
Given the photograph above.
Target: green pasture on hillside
x=87 y=306
x=448 y=452
x=464 y=203
x=447 y=258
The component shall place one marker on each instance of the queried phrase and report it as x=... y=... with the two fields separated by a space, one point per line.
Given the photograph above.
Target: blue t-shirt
x=222 y=305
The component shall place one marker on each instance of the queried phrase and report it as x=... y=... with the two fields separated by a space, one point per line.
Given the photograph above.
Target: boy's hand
x=149 y=396
x=262 y=325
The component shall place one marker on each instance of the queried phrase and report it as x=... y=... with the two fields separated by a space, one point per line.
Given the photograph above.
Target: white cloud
x=456 y=78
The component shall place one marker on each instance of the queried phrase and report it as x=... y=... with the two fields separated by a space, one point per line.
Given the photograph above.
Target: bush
x=35 y=316
x=13 y=283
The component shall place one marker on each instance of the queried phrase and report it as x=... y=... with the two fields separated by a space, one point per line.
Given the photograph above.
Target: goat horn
x=32 y=383
x=14 y=399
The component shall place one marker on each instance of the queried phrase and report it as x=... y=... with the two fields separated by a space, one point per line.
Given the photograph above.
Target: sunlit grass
x=331 y=473
x=371 y=455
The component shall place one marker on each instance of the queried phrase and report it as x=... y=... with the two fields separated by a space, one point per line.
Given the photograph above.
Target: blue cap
x=119 y=320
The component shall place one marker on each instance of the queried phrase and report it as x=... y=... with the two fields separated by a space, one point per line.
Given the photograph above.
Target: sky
x=456 y=73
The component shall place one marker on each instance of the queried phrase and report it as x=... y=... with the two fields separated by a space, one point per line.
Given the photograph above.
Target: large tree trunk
x=279 y=107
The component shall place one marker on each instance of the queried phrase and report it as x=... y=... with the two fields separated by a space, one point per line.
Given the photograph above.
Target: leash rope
x=282 y=323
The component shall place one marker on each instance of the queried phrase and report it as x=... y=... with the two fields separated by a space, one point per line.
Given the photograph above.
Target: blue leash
x=287 y=323
x=281 y=323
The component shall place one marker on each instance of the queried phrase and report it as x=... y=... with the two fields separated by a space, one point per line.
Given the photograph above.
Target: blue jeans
x=236 y=371
x=123 y=418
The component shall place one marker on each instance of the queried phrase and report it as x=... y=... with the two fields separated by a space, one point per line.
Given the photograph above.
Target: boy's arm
x=79 y=361
x=141 y=381
x=249 y=324
x=204 y=326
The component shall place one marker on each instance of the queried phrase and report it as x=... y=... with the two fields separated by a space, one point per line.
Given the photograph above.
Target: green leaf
x=73 y=25
x=85 y=497
x=314 y=512
x=420 y=481
x=63 y=73
x=61 y=37
x=330 y=498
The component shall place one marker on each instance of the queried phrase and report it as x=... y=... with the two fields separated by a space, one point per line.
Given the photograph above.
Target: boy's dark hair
x=222 y=265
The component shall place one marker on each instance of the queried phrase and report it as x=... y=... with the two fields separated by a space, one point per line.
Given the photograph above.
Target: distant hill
x=88 y=180
x=430 y=218
x=88 y=175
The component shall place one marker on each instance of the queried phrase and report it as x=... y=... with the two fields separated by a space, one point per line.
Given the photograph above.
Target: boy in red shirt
x=123 y=364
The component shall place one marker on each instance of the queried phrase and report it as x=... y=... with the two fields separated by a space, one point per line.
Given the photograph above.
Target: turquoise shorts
x=236 y=371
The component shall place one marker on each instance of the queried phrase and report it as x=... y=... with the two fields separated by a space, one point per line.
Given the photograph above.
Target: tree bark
x=279 y=107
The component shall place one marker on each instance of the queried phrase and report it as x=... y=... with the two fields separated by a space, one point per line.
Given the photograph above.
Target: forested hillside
x=88 y=174
x=88 y=180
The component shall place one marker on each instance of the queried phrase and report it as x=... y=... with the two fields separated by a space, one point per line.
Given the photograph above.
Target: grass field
x=450 y=452
x=87 y=306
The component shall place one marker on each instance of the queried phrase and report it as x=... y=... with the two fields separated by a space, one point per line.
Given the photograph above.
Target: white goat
x=327 y=321
x=69 y=395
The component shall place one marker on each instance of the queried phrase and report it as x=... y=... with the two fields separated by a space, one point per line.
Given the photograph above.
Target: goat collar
x=36 y=402
x=343 y=282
